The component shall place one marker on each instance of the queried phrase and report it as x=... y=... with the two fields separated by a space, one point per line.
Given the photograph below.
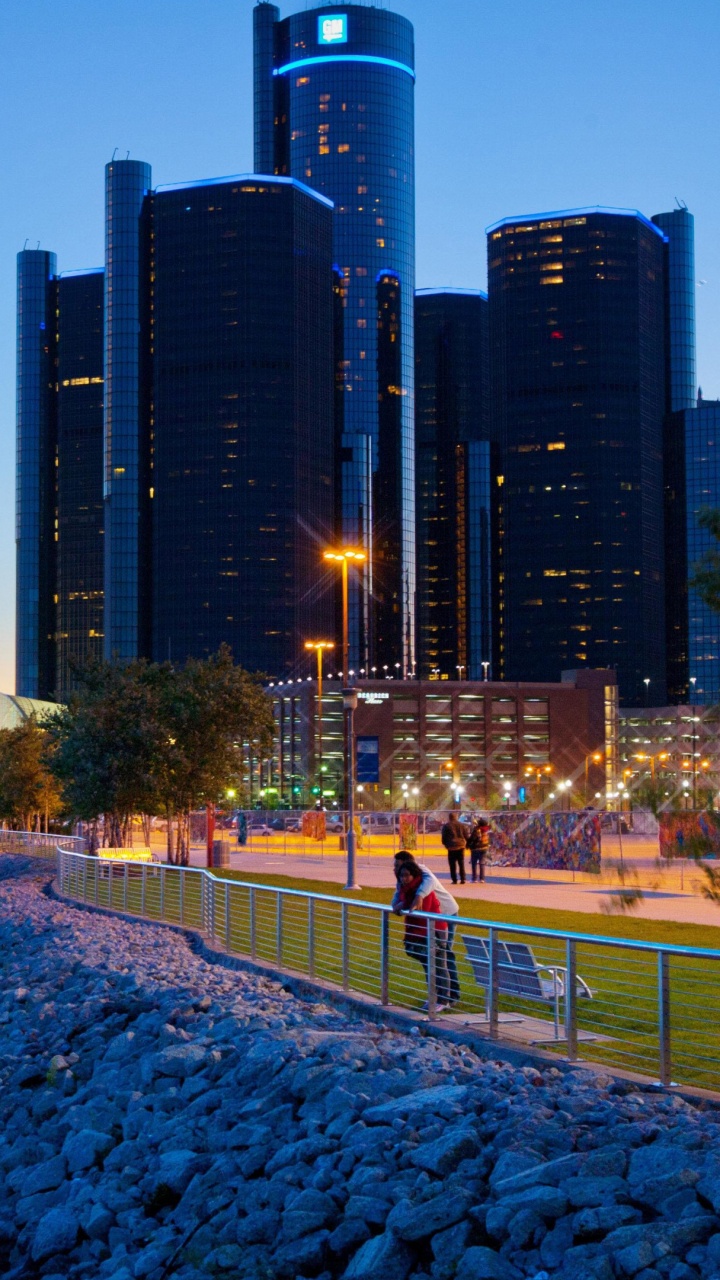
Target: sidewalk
x=667 y=900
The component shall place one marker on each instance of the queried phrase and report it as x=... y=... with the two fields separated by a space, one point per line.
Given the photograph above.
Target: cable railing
x=38 y=843
x=651 y=1010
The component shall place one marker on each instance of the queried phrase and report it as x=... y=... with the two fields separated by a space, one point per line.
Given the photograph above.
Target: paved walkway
x=667 y=894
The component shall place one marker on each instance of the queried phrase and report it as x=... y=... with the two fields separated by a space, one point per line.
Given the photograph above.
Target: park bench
x=137 y=857
x=520 y=975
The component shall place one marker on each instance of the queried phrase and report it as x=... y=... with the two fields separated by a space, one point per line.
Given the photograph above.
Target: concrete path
x=672 y=894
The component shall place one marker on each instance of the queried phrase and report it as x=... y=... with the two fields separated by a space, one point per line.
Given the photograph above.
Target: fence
x=38 y=843
x=559 y=841
x=645 y=1008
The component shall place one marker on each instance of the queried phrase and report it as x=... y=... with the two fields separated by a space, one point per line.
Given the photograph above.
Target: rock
x=44 y=1177
x=370 y=1209
x=99 y=1222
x=479 y=1263
x=181 y=1060
x=84 y=1149
x=381 y=1258
x=444 y=1155
x=419 y=1221
x=56 y=1232
x=260 y=1227
x=302 y=1256
x=585 y=1193
x=634 y=1257
x=655 y=1161
x=426 y=1101
x=348 y=1237
x=449 y=1246
x=547 y=1202
x=550 y=1173
x=513 y=1163
x=177 y=1169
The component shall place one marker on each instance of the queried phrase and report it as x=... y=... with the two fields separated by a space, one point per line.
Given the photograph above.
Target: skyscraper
x=79 y=586
x=242 y=407
x=334 y=92
x=454 y=483
x=35 y=473
x=59 y=473
x=578 y=354
x=680 y=393
x=701 y=473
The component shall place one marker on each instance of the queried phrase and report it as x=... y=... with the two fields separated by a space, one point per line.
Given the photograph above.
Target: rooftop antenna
x=113 y=155
x=127 y=156
x=37 y=245
x=681 y=204
x=25 y=244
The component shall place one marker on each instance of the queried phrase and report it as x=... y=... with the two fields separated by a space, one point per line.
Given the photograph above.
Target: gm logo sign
x=333 y=29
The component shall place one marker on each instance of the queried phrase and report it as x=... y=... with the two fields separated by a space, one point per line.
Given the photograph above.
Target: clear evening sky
x=522 y=107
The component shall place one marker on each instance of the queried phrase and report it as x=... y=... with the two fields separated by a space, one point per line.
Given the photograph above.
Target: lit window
x=556 y=444
x=552 y=280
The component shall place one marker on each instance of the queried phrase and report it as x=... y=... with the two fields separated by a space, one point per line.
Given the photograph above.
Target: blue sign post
x=368 y=760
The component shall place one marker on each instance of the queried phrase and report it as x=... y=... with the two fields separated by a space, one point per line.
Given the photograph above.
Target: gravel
x=164 y=1116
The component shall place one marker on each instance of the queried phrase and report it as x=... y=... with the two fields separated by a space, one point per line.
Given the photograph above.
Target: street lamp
x=319 y=647
x=345 y=557
x=646 y=682
x=350 y=701
x=485 y=668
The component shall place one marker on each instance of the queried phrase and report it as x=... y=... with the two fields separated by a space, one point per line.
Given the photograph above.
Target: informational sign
x=372 y=698
x=333 y=29
x=367 y=752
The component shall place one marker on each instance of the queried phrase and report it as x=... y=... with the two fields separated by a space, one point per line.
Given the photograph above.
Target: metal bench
x=520 y=975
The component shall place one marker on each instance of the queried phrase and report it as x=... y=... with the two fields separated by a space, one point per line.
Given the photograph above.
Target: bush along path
x=162 y=1116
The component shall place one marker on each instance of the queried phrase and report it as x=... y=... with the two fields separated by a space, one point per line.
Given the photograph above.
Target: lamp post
x=485 y=668
x=350 y=701
x=646 y=682
x=345 y=557
x=693 y=682
x=319 y=647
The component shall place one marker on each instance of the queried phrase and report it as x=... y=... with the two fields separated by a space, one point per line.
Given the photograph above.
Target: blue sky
x=523 y=107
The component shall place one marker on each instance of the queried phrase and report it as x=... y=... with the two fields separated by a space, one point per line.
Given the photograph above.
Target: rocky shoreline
x=164 y=1117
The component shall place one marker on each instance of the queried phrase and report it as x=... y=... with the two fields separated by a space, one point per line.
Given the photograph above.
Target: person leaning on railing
x=448 y=907
x=416 y=931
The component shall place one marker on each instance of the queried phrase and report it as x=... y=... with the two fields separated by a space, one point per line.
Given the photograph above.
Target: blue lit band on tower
x=342 y=121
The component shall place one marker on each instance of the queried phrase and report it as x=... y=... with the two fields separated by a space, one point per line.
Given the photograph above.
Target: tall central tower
x=334 y=108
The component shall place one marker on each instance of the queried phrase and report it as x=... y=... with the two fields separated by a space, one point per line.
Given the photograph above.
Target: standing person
x=453 y=837
x=416 y=931
x=479 y=846
x=448 y=907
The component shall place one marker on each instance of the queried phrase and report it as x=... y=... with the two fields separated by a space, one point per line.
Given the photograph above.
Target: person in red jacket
x=416 y=930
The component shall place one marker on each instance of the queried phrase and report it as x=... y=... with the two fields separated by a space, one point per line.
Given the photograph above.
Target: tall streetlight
x=693 y=682
x=646 y=682
x=345 y=557
x=319 y=647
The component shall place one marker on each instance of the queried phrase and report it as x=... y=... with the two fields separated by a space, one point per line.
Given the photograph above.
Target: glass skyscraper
x=79 y=587
x=701 y=432
x=453 y=467
x=242 y=419
x=35 y=473
x=578 y=353
x=127 y=182
x=334 y=107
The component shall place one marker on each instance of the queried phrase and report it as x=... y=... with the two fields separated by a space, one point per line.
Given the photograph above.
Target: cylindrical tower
x=265 y=17
x=35 y=473
x=343 y=122
x=679 y=228
x=126 y=184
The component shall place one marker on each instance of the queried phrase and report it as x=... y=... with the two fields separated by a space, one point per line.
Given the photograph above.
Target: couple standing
x=456 y=840
x=419 y=890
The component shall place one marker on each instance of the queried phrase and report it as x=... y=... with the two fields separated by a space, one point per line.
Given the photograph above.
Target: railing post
x=162 y=893
x=385 y=957
x=253 y=926
x=311 y=937
x=227 y=914
x=571 y=998
x=84 y=867
x=431 y=969
x=182 y=895
x=143 y=888
x=492 y=992
x=345 y=946
x=663 y=972
x=110 y=882
x=125 y=889
x=96 y=873
x=279 y=929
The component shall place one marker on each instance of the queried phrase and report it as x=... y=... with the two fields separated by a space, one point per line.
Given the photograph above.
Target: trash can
x=221 y=853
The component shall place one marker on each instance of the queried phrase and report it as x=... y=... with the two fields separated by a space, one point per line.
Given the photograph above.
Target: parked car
x=261 y=829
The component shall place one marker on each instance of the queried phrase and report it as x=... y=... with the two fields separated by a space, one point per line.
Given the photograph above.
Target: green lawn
x=623 y=1010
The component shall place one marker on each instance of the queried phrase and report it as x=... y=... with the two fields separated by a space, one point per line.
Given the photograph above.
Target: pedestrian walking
x=448 y=907
x=454 y=839
x=416 y=931
x=479 y=846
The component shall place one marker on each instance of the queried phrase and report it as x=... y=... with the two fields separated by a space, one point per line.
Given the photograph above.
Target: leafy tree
x=153 y=738
x=28 y=788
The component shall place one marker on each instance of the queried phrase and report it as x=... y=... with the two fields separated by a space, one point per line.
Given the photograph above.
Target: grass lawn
x=622 y=1013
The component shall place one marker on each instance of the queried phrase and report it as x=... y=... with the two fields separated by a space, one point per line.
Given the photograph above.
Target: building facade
x=701 y=437
x=435 y=744
x=59 y=473
x=242 y=408
x=454 y=469
x=677 y=748
x=334 y=108
x=79 y=586
x=577 y=338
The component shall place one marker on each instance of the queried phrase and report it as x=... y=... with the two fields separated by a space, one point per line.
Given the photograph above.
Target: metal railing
x=653 y=1010
x=38 y=843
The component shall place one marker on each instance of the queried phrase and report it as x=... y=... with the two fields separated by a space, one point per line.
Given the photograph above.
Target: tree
x=28 y=788
x=153 y=738
x=706 y=571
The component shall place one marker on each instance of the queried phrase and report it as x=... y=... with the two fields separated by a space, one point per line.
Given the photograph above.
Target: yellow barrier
x=126 y=855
